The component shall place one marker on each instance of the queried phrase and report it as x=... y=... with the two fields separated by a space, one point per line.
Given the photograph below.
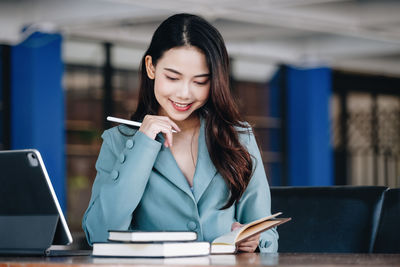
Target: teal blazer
x=139 y=186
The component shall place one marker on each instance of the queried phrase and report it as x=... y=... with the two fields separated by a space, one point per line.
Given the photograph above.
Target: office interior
x=318 y=80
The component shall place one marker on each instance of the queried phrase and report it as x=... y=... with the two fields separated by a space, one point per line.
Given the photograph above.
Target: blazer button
x=129 y=144
x=191 y=225
x=114 y=174
x=122 y=158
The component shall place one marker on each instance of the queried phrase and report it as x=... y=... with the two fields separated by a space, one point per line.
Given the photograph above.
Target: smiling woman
x=208 y=177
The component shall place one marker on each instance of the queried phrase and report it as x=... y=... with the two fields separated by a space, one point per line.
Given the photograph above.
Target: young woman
x=193 y=164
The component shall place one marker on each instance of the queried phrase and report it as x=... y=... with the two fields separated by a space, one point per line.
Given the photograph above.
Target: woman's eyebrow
x=177 y=72
x=203 y=75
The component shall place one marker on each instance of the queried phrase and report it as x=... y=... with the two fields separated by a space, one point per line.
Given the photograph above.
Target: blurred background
x=319 y=80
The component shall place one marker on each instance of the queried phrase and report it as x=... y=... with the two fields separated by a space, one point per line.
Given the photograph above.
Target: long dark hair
x=222 y=119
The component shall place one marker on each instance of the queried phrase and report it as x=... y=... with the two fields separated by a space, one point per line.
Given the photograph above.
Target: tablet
x=31 y=219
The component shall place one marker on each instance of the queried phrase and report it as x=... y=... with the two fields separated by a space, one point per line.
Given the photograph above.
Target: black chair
x=388 y=235
x=334 y=219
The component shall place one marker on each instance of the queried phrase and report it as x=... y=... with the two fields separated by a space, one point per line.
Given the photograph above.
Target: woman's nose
x=184 y=90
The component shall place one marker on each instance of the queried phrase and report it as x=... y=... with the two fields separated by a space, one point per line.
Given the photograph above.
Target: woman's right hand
x=152 y=125
x=249 y=244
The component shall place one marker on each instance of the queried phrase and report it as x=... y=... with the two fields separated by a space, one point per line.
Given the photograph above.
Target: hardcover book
x=158 y=250
x=158 y=236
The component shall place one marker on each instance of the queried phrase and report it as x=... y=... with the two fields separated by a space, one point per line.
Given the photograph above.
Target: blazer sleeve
x=256 y=200
x=123 y=171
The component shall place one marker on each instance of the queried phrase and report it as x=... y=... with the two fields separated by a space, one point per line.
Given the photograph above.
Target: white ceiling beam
x=252 y=12
x=273 y=18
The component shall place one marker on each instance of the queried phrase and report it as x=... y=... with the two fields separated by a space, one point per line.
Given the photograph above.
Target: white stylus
x=128 y=122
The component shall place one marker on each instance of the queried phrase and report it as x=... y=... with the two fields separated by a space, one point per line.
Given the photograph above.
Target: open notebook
x=31 y=219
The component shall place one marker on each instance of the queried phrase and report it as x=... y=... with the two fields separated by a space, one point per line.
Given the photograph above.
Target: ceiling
x=361 y=35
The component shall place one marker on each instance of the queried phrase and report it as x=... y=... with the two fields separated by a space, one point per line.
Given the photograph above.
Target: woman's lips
x=181 y=106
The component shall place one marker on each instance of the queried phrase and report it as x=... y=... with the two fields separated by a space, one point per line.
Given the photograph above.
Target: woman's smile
x=181 y=106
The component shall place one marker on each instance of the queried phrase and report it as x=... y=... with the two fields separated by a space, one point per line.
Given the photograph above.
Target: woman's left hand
x=248 y=245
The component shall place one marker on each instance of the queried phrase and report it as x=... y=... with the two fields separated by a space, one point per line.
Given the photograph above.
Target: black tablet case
x=29 y=219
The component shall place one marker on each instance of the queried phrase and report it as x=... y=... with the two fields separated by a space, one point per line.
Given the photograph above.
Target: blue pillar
x=309 y=147
x=277 y=142
x=37 y=103
x=1 y=99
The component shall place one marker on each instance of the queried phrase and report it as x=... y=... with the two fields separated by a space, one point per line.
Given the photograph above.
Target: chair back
x=335 y=219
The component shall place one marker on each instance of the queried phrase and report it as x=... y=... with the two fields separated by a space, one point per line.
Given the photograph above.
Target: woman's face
x=181 y=81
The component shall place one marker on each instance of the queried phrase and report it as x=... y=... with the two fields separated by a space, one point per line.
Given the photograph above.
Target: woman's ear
x=149 y=67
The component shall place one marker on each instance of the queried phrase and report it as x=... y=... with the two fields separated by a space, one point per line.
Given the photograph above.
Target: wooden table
x=243 y=259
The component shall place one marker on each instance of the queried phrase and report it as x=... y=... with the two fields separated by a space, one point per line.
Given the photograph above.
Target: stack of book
x=180 y=244
x=151 y=244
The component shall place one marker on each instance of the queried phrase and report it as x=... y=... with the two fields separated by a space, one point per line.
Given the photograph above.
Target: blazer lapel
x=204 y=173
x=205 y=169
x=167 y=166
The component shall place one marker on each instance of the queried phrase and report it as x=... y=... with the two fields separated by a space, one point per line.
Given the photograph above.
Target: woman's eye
x=171 y=78
x=201 y=83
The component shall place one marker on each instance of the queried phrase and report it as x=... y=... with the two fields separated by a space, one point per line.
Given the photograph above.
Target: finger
x=150 y=122
x=253 y=238
x=167 y=131
x=157 y=125
x=246 y=249
x=166 y=123
x=235 y=226
x=169 y=137
x=171 y=122
x=150 y=126
x=174 y=125
x=249 y=243
x=253 y=245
